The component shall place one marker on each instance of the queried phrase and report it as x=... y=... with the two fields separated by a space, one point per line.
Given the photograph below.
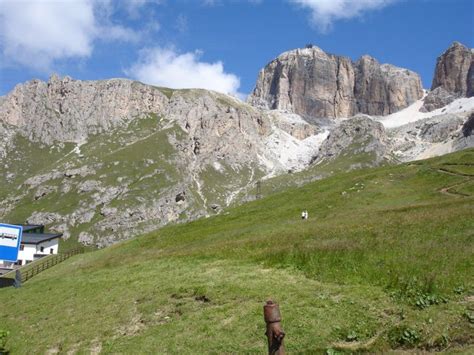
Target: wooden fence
x=30 y=270
x=48 y=262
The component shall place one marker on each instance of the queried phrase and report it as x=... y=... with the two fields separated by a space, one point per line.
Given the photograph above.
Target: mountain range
x=103 y=161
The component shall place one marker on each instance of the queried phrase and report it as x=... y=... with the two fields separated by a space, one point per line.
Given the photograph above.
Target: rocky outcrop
x=431 y=136
x=7 y=133
x=454 y=71
x=384 y=89
x=142 y=159
x=312 y=83
x=468 y=126
x=441 y=128
x=356 y=136
x=67 y=110
x=453 y=77
x=436 y=99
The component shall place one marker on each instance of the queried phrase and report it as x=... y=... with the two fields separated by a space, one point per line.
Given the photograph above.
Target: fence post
x=17 y=279
x=274 y=333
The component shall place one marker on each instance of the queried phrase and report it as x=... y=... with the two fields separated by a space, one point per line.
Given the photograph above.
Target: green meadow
x=384 y=263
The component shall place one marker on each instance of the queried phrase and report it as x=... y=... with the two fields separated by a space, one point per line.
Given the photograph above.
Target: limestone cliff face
x=132 y=157
x=453 y=77
x=313 y=83
x=64 y=109
x=455 y=71
x=384 y=89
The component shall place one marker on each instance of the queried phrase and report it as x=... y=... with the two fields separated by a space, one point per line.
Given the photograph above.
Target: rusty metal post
x=274 y=333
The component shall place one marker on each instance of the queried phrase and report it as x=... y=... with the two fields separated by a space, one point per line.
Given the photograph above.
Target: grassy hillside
x=135 y=170
x=385 y=261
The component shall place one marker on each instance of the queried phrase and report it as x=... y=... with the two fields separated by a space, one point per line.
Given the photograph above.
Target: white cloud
x=325 y=12
x=165 y=67
x=35 y=33
x=181 y=23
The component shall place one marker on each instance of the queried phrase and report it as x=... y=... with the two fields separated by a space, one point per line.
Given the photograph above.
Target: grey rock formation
x=160 y=147
x=7 y=134
x=358 y=135
x=455 y=70
x=384 y=89
x=44 y=218
x=312 y=83
x=67 y=110
x=293 y=125
x=441 y=128
x=86 y=238
x=468 y=126
x=436 y=99
x=431 y=136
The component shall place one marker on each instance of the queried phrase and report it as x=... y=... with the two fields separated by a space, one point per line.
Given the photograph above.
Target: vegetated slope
x=118 y=179
x=385 y=260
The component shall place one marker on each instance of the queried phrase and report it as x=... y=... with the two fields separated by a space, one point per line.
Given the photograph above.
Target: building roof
x=37 y=238
x=29 y=227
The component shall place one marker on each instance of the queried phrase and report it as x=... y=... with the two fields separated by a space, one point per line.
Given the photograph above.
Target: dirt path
x=446 y=190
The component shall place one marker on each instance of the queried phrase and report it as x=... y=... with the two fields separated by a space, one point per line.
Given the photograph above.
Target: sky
x=217 y=44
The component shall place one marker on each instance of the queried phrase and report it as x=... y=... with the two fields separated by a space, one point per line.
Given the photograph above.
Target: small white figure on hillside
x=304 y=214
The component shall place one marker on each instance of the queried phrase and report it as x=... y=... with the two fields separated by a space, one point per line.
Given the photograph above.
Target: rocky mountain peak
x=453 y=77
x=316 y=84
x=454 y=70
x=367 y=60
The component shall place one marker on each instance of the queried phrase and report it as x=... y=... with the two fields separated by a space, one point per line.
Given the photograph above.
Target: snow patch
x=412 y=113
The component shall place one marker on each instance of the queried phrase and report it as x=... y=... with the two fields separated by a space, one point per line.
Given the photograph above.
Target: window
x=51 y=251
x=42 y=249
x=22 y=247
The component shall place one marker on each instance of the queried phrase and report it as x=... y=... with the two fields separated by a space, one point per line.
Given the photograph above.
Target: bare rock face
x=315 y=84
x=455 y=71
x=436 y=99
x=308 y=82
x=468 y=126
x=165 y=148
x=64 y=109
x=384 y=89
x=7 y=133
x=440 y=129
x=358 y=135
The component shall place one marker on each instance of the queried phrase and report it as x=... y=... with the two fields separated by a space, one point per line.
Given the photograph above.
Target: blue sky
x=217 y=44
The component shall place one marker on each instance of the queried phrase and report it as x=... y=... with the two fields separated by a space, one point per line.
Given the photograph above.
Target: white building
x=35 y=244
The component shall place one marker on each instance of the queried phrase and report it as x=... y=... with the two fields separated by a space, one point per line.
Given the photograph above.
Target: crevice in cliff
x=338 y=85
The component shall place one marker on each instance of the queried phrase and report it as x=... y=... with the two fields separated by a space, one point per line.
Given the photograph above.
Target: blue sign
x=10 y=240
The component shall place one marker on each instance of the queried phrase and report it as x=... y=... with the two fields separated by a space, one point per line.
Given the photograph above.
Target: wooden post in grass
x=274 y=333
x=17 y=279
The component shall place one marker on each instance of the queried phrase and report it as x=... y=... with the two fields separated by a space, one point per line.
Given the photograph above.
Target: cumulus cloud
x=325 y=12
x=36 y=33
x=165 y=67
